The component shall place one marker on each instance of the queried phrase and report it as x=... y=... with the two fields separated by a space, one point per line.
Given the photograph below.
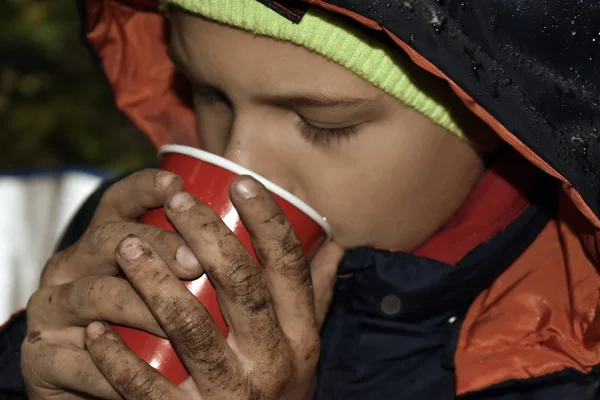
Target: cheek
x=360 y=212
x=391 y=195
x=362 y=203
x=213 y=124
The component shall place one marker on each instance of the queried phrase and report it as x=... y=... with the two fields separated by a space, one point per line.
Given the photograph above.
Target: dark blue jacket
x=395 y=322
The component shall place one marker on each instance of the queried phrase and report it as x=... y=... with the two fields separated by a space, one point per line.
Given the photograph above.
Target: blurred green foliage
x=56 y=107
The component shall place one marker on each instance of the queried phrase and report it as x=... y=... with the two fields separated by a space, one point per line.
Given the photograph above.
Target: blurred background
x=60 y=135
x=56 y=109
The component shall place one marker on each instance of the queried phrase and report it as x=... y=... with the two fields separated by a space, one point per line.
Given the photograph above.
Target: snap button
x=391 y=304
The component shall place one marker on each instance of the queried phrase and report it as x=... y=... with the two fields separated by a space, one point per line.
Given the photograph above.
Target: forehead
x=224 y=55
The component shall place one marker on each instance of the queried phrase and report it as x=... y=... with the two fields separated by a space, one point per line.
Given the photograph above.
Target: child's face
x=381 y=173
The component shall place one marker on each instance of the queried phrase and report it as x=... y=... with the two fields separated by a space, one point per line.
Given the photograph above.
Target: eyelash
x=310 y=132
x=210 y=96
x=317 y=135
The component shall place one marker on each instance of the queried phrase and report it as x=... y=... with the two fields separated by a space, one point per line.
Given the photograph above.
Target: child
x=460 y=271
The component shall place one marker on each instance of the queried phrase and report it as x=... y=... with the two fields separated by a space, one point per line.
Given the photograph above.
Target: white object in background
x=34 y=212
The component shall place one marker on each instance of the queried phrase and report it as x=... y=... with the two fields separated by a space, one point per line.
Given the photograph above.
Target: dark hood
x=529 y=69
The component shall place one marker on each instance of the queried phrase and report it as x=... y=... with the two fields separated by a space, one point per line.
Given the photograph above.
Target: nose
x=251 y=145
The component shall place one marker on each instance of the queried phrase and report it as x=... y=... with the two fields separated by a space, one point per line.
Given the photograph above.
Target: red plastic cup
x=208 y=177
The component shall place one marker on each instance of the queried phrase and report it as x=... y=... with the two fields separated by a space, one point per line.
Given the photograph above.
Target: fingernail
x=186 y=258
x=247 y=188
x=164 y=179
x=95 y=330
x=131 y=248
x=180 y=201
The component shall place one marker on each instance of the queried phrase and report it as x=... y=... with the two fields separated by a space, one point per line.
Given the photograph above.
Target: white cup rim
x=239 y=170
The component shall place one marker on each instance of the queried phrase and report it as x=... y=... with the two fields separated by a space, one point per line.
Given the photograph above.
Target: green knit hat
x=335 y=39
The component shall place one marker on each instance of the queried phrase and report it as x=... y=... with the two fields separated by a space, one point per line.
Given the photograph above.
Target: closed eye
x=210 y=94
x=319 y=135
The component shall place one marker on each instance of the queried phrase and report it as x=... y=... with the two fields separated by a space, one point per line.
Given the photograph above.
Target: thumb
x=323 y=270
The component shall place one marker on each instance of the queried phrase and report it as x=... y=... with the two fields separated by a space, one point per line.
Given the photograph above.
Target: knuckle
x=244 y=282
x=291 y=260
x=277 y=219
x=83 y=294
x=71 y=299
x=108 y=357
x=41 y=307
x=291 y=252
x=37 y=299
x=153 y=234
x=276 y=228
x=51 y=275
x=118 y=190
x=159 y=237
x=192 y=329
x=98 y=238
x=138 y=385
x=112 y=294
x=281 y=245
x=94 y=291
x=290 y=245
x=111 y=195
x=121 y=304
x=211 y=228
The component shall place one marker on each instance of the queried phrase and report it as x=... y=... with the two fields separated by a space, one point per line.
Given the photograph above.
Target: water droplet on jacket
x=476 y=68
x=408 y=6
x=463 y=5
x=573 y=33
x=580 y=144
x=438 y=21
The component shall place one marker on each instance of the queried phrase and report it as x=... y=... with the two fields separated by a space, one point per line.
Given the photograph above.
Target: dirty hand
x=273 y=314
x=78 y=286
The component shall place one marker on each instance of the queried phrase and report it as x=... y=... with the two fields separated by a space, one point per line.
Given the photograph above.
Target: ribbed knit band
x=333 y=38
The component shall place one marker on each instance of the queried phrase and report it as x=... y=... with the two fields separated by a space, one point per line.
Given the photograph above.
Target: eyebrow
x=317 y=99
x=312 y=99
